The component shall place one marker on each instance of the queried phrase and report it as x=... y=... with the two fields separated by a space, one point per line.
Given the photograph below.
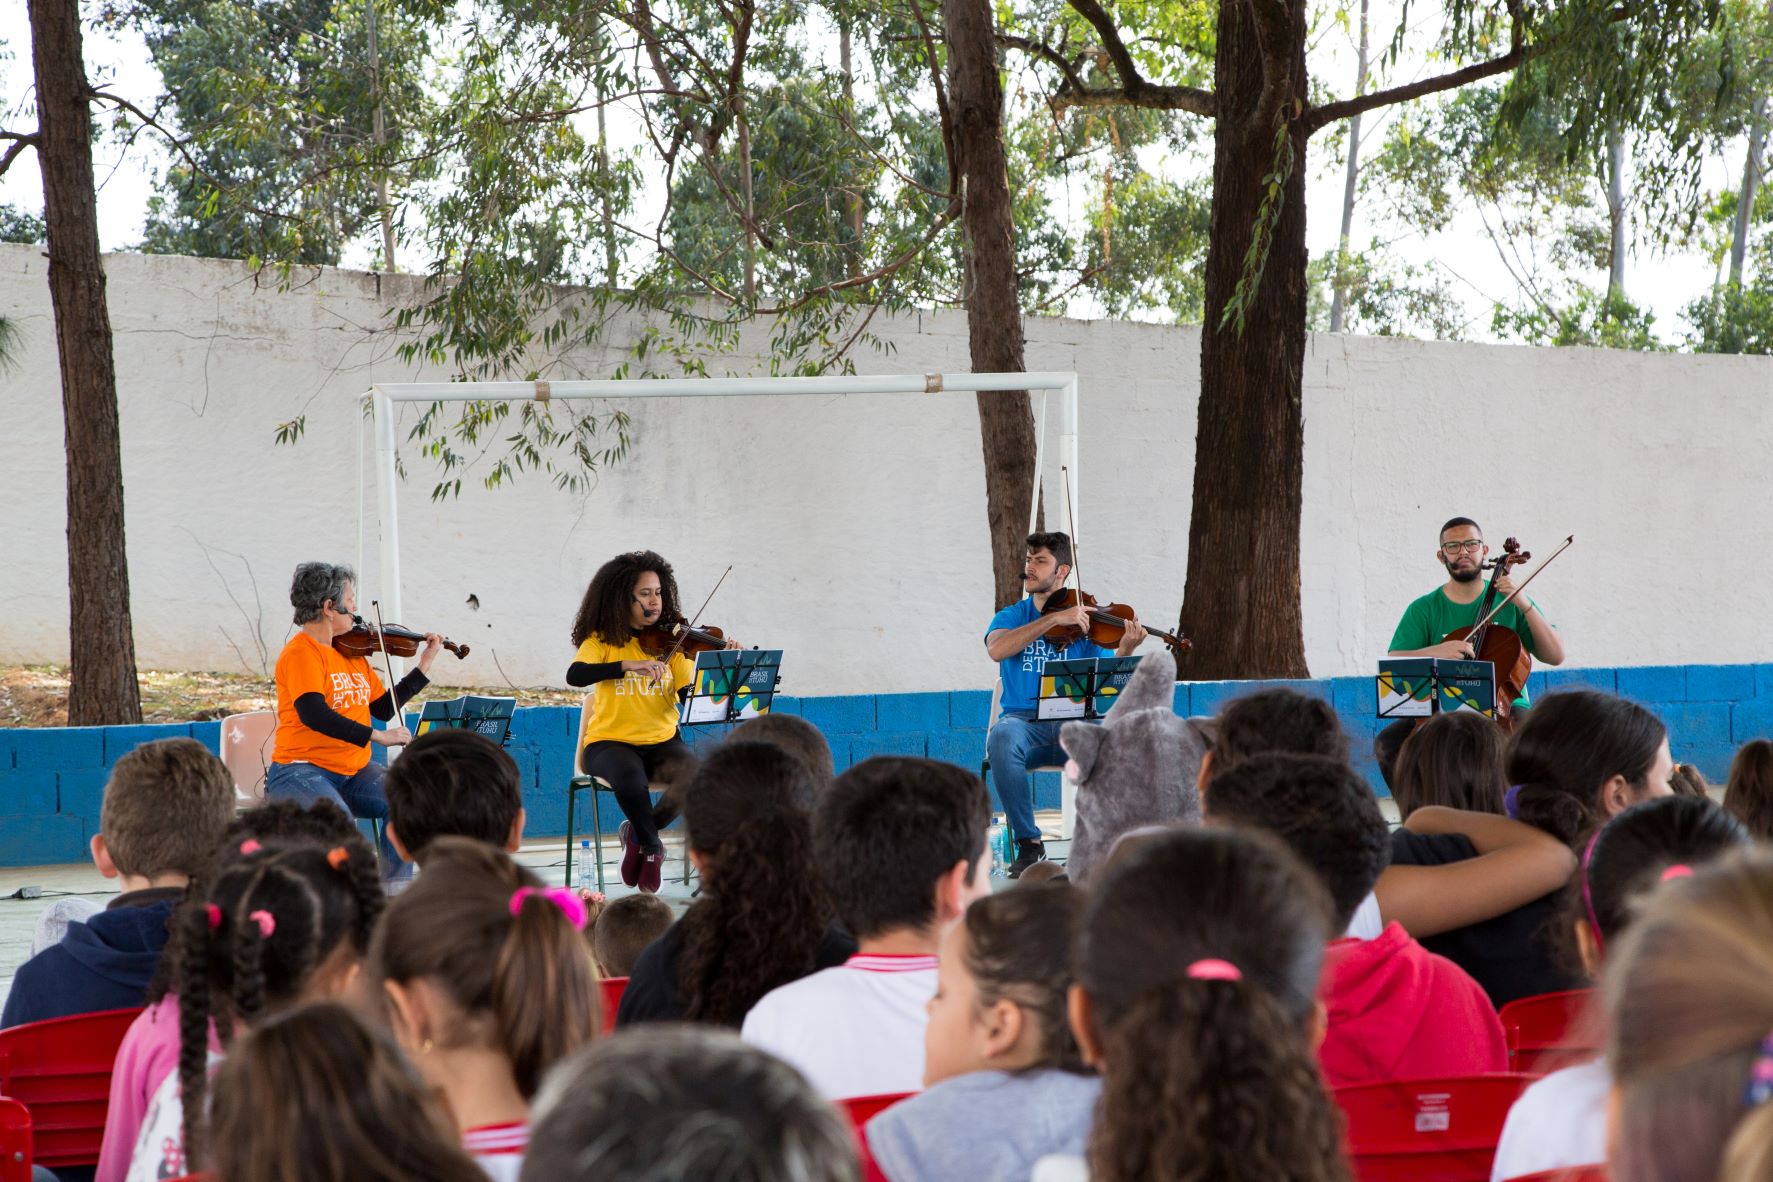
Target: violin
x=1108 y=623
x=674 y=635
x=363 y=639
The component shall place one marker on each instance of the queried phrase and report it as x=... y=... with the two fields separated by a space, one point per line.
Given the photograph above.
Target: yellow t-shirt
x=631 y=708
x=348 y=684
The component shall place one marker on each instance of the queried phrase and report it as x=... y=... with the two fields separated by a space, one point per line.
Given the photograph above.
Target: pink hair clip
x=214 y=915
x=569 y=903
x=250 y=846
x=1678 y=870
x=1212 y=969
x=266 y=921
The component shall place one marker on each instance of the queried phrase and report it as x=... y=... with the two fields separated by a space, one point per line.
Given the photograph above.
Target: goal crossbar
x=384 y=397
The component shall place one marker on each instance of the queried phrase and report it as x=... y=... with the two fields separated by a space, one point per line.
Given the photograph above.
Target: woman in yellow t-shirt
x=325 y=701
x=631 y=738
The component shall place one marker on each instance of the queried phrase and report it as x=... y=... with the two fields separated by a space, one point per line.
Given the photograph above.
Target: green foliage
x=1385 y=297
x=18 y=225
x=1587 y=318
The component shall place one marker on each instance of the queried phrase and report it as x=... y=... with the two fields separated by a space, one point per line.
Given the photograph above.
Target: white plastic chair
x=1067 y=790
x=248 y=741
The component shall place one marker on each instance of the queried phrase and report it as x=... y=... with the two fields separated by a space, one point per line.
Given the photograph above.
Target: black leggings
x=630 y=770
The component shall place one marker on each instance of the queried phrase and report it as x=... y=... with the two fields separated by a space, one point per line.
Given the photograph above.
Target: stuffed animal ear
x=1153 y=684
x=1081 y=740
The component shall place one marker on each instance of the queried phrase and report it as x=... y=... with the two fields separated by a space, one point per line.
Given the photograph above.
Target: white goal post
x=384 y=397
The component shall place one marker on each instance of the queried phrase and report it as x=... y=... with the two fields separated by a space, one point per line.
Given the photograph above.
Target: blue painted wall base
x=52 y=779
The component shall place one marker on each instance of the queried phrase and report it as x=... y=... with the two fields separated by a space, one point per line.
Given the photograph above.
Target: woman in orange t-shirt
x=325 y=701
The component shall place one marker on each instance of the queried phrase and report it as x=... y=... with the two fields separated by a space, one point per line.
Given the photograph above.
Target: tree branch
x=1318 y=117
x=1137 y=91
x=943 y=114
x=20 y=141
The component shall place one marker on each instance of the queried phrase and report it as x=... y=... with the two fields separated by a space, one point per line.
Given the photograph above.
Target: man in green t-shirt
x=1454 y=604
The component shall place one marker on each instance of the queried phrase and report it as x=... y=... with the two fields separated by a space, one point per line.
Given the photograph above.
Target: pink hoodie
x=1398 y=1011
x=149 y=1053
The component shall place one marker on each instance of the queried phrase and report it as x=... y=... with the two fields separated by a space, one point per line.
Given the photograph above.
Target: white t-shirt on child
x=1558 y=1122
x=160 y=1146
x=498 y=1149
x=853 y=1030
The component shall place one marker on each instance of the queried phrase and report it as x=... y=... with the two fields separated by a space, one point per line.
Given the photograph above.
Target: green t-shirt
x=1428 y=620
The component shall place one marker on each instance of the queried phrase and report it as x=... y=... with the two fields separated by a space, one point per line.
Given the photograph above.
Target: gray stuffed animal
x=1136 y=768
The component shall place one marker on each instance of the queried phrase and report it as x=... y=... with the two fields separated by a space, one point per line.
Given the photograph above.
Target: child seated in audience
x=277 y=924
x=1198 y=955
x=166 y=804
x=998 y=1051
x=1394 y=1009
x=1455 y=760
x=762 y=920
x=900 y=843
x=623 y=928
x=1688 y=996
x=1748 y=793
x=675 y=1103
x=149 y=1052
x=1561 y=1120
x=313 y=1095
x=797 y=737
x=451 y=782
x=1513 y=867
x=1582 y=757
x=487 y=983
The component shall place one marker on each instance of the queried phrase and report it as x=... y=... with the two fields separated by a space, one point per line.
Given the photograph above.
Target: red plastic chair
x=61 y=1071
x=1427 y=1130
x=860 y=1110
x=15 y=1141
x=1551 y=1031
x=613 y=988
x=1568 y=1174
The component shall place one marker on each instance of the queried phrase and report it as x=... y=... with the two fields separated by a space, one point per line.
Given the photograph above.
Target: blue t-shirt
x=1021 y=672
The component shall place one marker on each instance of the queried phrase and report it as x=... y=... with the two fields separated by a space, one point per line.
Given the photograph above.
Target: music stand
x=1416 y=687
x=488 y=716
x=1083 y=689
x=731 y=685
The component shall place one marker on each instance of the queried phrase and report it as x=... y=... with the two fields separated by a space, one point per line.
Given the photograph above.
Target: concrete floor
x=547 y=857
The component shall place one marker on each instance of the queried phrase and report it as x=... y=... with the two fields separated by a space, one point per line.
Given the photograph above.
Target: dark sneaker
x=630 y=854
x=652 y=872
x=1028 y=852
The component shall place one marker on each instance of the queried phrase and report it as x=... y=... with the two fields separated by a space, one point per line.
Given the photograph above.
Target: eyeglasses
x=1470 y=546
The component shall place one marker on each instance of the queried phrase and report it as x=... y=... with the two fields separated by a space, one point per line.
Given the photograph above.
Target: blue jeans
x=361 y=795
x=1015 y=743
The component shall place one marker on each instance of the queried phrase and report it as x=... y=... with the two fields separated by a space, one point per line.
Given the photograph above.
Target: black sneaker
x=1028 y=852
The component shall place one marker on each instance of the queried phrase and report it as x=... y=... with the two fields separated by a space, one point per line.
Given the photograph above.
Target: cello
x=1500 y=646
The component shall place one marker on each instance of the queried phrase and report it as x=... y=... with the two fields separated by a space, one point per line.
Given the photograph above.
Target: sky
x=1665 y=284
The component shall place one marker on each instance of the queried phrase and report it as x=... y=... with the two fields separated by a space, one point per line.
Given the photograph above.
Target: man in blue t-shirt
x=1017 y=641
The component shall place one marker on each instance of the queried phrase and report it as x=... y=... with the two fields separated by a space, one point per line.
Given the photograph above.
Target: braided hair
x=271 y=914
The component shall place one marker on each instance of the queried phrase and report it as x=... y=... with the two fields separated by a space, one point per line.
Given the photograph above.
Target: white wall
x=855 y=525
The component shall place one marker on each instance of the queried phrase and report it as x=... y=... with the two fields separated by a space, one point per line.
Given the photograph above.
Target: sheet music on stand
x=1416 y=687
x=489 y=716
x=1083 y=689
x=731 y=685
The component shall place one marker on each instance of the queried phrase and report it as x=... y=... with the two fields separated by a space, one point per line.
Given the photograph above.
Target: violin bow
x=1522 y=585
x=387 y=659
x=677 y=645
x=1071 y=524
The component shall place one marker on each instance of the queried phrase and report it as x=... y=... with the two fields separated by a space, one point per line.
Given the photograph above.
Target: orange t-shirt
x=348 y=684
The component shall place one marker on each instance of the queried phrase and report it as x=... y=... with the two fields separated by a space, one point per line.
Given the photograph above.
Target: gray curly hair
x=314 y=584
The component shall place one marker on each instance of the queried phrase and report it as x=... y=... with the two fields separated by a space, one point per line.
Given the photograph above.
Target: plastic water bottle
x=587 y=871
x=997 y=838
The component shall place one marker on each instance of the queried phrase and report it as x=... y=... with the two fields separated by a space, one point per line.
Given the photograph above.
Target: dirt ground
x=37 y=695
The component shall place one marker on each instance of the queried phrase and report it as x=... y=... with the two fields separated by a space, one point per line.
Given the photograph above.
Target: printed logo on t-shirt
x=1036 y=656
x=349 y=691
x=641 y=685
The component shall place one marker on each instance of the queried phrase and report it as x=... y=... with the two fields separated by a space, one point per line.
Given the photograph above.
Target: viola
x=1108 y=622
x=364 y=639
x=674 y=635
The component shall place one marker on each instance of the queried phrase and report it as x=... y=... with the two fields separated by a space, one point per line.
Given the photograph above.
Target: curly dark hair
x=604 y=612
x=230 y=970
x=1277 y=720
x=762 y=915
x=1208 y=1079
